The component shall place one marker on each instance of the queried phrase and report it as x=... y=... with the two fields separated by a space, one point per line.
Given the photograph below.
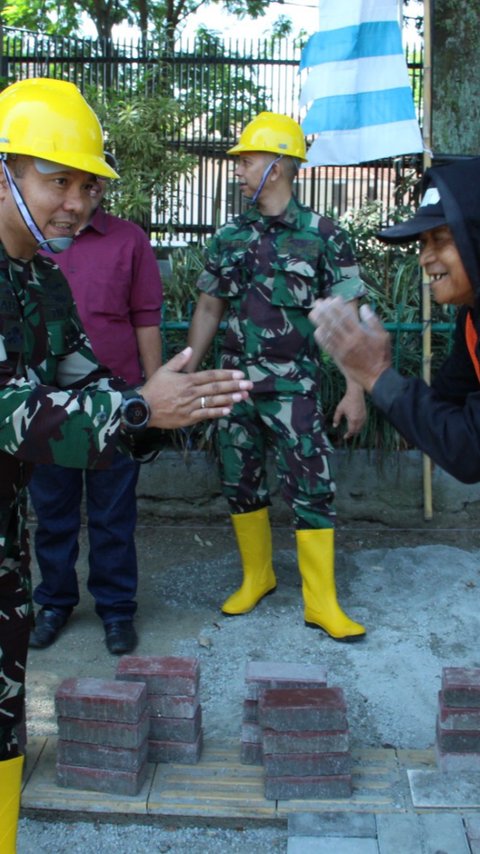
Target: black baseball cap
x=429 y=215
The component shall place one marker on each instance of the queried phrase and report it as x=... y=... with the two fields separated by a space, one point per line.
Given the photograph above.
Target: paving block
x=307 y=764
x=173 y=706
x=472 y=826
x=332 y=824
x=461 y=687
x=398 y=832
x=432 y=833
x=128 y=736
x=449 y=761
x=250 y=711
x=251 y=753
x=430 y=789
x=289 y=788
x=443 y=832
x=305 y=741
x=453 y=718
x=309 y=709
x=101 y=780
x=183 y=753
x=252 y=733
x=176 y=729
x=101 y=699
x=458 y=741
x=260 y=675
x=162 y=674
x=346 y=845
x=99 y=756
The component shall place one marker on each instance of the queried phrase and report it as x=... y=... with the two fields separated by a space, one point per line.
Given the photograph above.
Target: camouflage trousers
x=292 y=425
x=15 y=623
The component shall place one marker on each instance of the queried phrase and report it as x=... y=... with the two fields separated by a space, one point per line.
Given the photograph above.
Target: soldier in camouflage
x=57 y=403
x=263 y=272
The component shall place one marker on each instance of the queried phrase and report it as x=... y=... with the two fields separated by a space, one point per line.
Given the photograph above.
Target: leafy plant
x=180 y=290
x=139 y=129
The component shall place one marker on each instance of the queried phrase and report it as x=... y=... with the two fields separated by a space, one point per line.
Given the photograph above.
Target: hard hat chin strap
x=53 y=245
x=263 y=180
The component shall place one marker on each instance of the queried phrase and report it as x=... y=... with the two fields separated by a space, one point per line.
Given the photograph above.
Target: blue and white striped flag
x=358 y=92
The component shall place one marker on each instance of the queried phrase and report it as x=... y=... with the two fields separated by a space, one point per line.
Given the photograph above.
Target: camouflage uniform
x=270 y=270
x=57 y=405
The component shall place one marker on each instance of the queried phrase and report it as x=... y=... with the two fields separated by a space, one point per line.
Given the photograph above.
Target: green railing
x=174 y=337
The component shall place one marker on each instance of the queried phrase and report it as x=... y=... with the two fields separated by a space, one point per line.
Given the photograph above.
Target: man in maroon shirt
x=114 y=277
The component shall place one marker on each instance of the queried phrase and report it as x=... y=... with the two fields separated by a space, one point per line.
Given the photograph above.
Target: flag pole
x=426 y=299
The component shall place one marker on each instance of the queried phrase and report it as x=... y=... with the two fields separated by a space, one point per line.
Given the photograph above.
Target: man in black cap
x=443 y=419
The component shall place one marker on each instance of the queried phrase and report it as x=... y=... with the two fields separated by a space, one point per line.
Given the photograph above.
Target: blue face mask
x=54 y=245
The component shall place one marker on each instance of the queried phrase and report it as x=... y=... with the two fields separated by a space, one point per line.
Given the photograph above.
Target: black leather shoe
x=120 y=637
x=48 y=623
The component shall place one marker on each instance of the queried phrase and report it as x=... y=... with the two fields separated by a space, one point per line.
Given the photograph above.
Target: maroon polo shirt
x=113 y=273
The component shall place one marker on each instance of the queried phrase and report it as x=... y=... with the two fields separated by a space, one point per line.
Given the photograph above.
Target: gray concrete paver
x=444 y=832
x=434 y=789
x=411 y=833
x=331 y=845
x=399 y=834
x=332 y=824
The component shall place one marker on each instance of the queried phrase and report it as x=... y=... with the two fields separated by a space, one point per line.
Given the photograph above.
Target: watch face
x=136 y=413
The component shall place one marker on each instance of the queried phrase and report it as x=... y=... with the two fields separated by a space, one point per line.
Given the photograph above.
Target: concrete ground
x=417 y=591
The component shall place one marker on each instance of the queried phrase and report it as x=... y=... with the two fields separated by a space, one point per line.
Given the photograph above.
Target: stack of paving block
x=175 y=713
x=457 y=745
x=305 y=743
x=263 y=675
x=103 y=735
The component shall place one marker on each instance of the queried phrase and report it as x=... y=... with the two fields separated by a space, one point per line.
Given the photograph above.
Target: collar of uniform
x=98 y=221
x=289 y=217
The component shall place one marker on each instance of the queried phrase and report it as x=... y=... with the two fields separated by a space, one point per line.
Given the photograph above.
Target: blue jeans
x=56 y=494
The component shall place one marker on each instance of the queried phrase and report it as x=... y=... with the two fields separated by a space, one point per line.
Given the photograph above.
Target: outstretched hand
x=360 y=348
x=179 y=399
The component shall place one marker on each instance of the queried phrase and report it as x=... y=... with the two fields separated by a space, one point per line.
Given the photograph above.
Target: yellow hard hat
x=272 y=132
x=50 y=119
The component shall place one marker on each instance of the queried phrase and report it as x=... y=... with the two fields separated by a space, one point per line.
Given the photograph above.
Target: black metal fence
x=231 y=82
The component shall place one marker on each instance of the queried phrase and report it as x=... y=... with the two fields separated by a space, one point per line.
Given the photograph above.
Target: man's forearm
x=149 y=344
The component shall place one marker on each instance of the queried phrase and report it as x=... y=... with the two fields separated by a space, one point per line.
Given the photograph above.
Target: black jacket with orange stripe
x=443 y=419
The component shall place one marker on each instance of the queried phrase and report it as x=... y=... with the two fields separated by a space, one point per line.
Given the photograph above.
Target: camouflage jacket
x=57 y=404
x=271 y=269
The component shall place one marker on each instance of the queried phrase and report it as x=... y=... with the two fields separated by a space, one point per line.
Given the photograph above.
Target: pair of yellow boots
x=316 y=560
x=10 y=787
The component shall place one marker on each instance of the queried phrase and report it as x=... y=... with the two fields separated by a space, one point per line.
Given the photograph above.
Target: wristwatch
x=135 y=412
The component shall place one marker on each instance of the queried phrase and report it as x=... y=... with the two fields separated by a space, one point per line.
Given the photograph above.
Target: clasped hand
x=360 y=347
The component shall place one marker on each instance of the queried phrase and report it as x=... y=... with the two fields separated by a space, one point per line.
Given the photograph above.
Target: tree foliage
x=44 y=16
x=156 y=17
x=138 y=129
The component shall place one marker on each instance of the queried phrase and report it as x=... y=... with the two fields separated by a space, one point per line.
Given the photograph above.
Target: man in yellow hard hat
x=57 y=403
x=264 y=271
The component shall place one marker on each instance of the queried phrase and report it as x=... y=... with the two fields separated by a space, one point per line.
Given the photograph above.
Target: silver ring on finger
x=203 y=402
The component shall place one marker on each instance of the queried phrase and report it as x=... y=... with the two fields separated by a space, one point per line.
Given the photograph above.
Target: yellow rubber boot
x=254 y=539
x=10 y=786
x=316 y=559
